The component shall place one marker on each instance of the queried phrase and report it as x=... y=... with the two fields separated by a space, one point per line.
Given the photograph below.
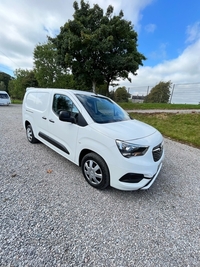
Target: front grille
x=157 y=152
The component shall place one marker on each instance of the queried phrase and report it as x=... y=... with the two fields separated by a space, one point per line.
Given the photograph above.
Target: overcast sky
x=168 y=34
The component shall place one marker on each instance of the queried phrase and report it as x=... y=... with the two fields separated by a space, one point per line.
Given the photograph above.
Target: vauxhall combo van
x=95 y=133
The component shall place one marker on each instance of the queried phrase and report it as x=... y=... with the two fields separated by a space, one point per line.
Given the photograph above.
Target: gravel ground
x=50 y=216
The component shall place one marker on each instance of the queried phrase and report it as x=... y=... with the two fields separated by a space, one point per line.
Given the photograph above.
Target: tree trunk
x=94 y=87
x=107 y=89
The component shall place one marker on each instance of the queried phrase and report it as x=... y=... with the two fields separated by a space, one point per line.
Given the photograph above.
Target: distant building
x=137 y=98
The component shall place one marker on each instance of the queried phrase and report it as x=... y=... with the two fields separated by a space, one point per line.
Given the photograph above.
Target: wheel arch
x=26 y=123
x=87 y=151
x=83 y=153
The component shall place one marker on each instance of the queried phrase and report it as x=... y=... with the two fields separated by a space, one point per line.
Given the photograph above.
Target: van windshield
x=3 y=95
x=102 y=109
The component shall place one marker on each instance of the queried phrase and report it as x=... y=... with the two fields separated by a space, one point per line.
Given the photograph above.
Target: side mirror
x=66 y=116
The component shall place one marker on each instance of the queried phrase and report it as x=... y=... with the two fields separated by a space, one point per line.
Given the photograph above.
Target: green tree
x=2 y=86
x=98 y=48
x=159 y=93
x=121 y=95
x=4 y=80
x=24 y=79
x=112 y=94
x=47 y=71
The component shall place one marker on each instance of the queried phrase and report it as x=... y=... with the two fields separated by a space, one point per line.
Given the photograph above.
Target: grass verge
x=184 y=128
x=130 y=105
x=16 y=101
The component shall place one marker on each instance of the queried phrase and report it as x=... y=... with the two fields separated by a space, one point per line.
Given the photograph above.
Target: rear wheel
x=95 y=171
x=30 y=135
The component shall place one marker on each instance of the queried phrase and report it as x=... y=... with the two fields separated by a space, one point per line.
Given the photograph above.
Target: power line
x=9 y=58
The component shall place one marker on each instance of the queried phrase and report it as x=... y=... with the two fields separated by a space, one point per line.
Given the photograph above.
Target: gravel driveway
x=50 y=216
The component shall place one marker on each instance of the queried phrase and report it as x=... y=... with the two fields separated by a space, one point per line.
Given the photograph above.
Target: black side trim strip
x=53 y=142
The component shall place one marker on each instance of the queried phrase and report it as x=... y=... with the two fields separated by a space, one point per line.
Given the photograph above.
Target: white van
x=4 y=98
x=95 y=133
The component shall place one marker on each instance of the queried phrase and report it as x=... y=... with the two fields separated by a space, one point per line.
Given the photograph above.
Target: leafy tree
x=98 y=48
x=47 y=71
x=112 y=94
x=11 y=89
x=159 y=93
x=4 y=80
x=121 y=95
x=2 y=86
x=24 y=79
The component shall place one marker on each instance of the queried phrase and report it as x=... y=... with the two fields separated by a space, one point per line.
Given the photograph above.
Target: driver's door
x=63 y=134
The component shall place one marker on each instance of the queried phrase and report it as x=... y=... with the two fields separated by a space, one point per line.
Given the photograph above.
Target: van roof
x=73 y=91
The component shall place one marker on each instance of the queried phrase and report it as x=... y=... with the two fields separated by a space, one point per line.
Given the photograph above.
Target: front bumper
x=5 y=103
x=142 y=183
x=149 y=184
x=137 y=172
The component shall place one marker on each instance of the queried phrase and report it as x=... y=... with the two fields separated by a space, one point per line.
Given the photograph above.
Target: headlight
x=131 y=150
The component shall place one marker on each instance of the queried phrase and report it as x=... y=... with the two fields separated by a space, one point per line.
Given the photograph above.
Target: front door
x=63 y=135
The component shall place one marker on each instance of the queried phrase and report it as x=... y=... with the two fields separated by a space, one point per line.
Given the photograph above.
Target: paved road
x=49 y=215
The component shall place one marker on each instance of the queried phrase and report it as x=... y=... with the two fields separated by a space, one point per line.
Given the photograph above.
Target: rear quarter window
x=37 y=100
x=31 y=99
x=42 y=101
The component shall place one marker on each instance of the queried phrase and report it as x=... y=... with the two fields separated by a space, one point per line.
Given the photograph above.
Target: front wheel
x=95 y=171
x=30 y=135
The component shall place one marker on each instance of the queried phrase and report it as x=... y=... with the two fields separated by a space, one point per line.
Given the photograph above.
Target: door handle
x=44 y=118
x=52 y=121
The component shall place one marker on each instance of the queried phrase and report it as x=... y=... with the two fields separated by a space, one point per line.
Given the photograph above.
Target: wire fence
x=187 y=93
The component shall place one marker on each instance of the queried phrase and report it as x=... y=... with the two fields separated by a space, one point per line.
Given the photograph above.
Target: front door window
x=64 y=103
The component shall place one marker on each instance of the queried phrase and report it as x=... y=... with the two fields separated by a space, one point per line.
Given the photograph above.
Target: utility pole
x=172 y=94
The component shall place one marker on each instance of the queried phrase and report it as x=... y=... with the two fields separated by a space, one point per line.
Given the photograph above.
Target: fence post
x=172 y=93
x=147 y=90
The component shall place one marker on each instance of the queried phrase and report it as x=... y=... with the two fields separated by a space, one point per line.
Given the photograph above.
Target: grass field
x=184 y=128
x=16 y=101
x=130 y=105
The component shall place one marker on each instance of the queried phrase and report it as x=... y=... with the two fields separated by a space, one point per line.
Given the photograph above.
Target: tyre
x=30 y=135
x=95 y=171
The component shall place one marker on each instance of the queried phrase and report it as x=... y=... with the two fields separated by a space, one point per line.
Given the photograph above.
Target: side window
x=64 y=103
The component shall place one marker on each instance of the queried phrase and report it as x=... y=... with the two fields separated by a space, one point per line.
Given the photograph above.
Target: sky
x=168 y=35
